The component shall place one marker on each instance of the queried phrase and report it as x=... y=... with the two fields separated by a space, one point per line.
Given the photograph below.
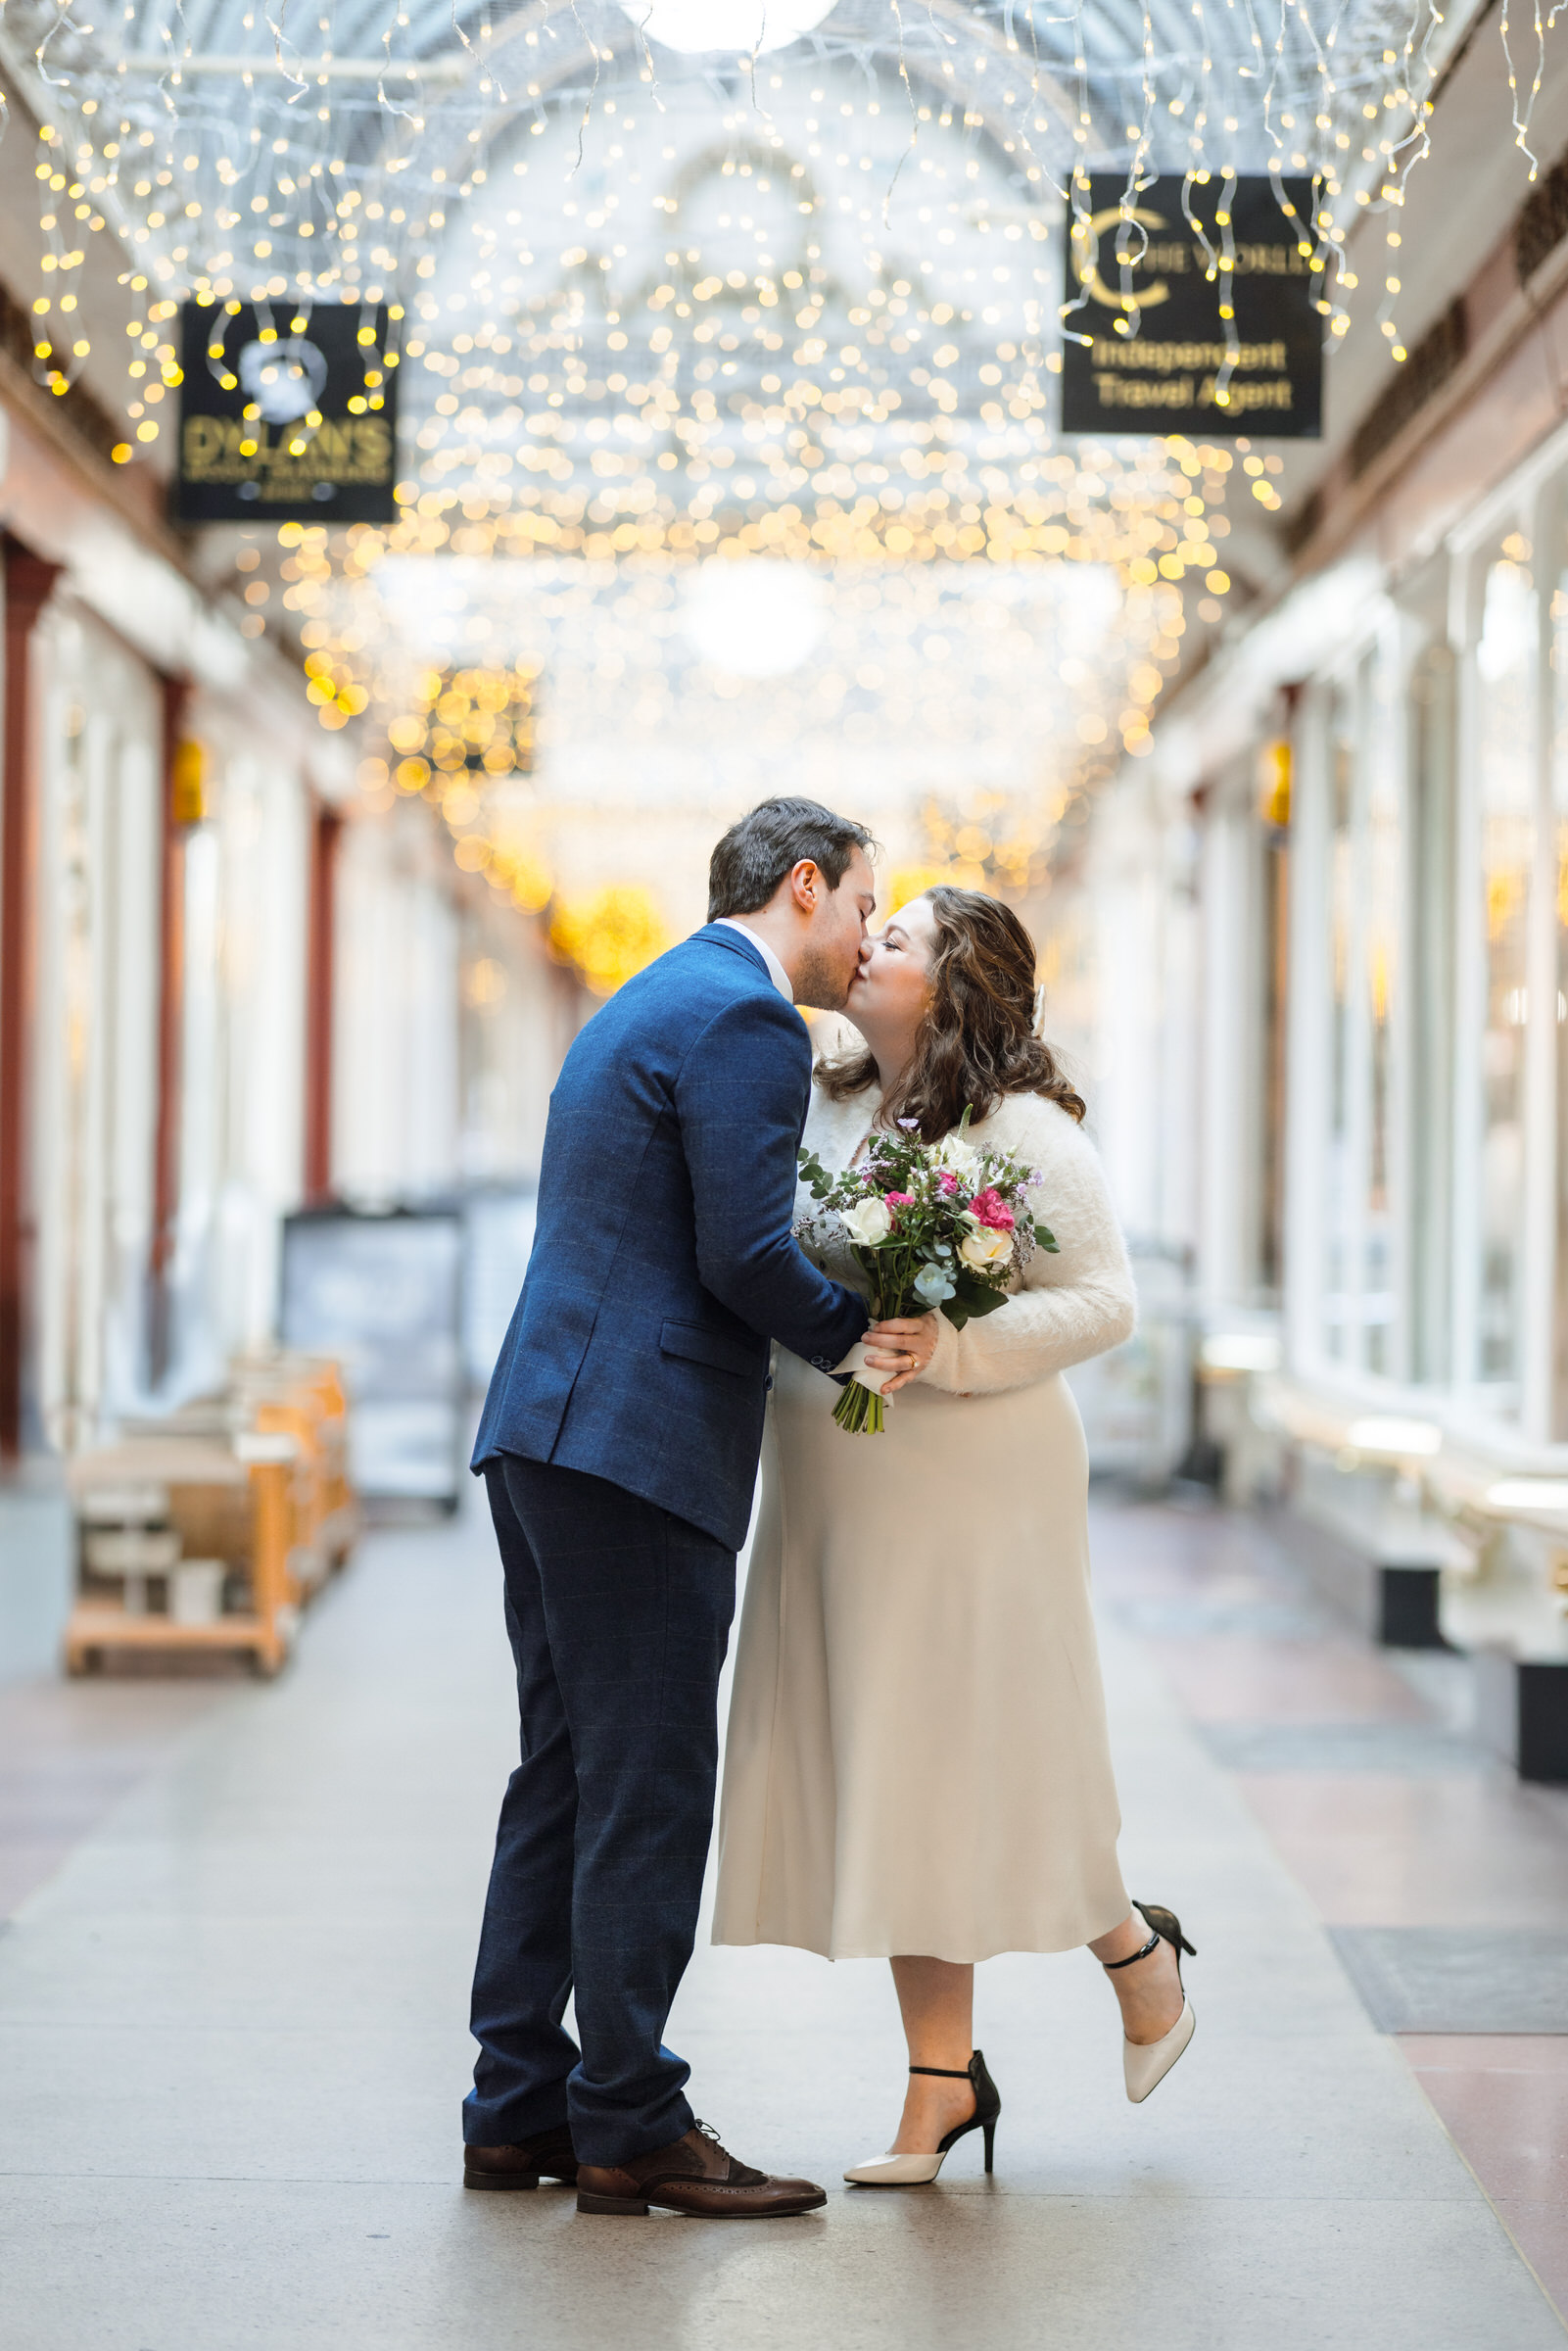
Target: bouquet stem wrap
x=860 y=1410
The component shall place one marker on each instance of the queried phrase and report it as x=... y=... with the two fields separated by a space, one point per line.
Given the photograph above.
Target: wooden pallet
x=94 y=1628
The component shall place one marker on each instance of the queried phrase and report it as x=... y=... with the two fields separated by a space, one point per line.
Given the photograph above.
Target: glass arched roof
x=652 y=302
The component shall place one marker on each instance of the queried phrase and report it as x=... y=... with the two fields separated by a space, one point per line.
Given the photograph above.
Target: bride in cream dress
x=918 y=1765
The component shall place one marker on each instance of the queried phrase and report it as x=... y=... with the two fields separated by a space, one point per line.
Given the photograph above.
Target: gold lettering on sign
x=334 y=445
x=1129 y=391
x=1276 y=395
x=1270 y=261
x=201 y=445
x=344 y=450
x=372 y=447
x=1162 y=358
x=1086 y=258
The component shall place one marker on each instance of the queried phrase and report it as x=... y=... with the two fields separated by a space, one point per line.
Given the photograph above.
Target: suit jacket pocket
x=714 y=1348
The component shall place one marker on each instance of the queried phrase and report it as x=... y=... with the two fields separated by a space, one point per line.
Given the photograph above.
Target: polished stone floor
x=233 y=2041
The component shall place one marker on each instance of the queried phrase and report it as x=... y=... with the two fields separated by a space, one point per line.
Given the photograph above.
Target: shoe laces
x=740 y=2174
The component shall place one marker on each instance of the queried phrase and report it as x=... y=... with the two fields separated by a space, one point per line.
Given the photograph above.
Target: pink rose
x=897 y=1200
x=990 y=1209
x=947 y=1181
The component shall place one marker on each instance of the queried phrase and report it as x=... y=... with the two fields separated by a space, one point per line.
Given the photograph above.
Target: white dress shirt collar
x=776 y=971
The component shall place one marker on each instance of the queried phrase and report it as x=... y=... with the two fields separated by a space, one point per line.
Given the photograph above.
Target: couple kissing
x=917 y=1764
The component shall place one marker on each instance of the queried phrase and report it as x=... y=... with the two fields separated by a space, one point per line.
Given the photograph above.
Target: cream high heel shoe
x=918 y=2171
x=1145 y=2064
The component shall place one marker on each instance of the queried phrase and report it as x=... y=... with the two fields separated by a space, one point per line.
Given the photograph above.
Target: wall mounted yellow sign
x=287 y=415
x=1193 y=309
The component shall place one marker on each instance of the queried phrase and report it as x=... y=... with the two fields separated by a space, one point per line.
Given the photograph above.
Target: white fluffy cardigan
x=1071 y=1306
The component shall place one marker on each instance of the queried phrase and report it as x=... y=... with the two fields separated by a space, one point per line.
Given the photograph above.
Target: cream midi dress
x=917 y=1758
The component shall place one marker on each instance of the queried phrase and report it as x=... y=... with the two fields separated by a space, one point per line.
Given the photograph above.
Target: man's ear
x=806 y=885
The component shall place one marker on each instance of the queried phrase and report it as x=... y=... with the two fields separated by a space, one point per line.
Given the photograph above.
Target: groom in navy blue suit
x=619 y=1445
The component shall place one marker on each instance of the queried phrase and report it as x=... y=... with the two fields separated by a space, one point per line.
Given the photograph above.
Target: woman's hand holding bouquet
x=940 y=1226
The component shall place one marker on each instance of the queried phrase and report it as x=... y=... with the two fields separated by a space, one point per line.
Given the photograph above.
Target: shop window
x=1431 y=720
x=1505 y=771
x=1367 y=897
x=1276 y=1012
x=1341 y=1188
x=1356 y=946
x=1383 y=878
x=1559 y=878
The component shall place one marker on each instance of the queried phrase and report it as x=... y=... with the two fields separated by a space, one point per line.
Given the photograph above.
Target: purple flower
x=908 y=1125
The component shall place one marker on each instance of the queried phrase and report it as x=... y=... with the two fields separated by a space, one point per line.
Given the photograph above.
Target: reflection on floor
x=232 y=2025
x=69 y=1751
x=1442 y=1878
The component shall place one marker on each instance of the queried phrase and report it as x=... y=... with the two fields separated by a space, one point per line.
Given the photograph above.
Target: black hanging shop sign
x=286 y=417
x=1150 y=273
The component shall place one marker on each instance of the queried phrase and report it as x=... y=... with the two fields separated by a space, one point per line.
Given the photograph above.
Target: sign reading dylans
x=283 y=421
x=1150 y=273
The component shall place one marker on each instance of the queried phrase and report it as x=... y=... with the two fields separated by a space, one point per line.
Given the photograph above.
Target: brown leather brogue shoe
x=698 y=2175
x=549 y=2155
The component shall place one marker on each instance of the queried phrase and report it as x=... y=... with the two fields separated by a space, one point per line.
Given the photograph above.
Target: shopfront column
x=325 y=833
x=28 y=580
x=171 y=1028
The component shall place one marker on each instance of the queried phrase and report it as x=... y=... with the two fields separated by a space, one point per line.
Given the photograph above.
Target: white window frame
x=1373 y=669
x=1534 y=502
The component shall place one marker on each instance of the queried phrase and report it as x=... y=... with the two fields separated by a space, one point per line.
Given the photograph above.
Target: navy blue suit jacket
x=663 y=1260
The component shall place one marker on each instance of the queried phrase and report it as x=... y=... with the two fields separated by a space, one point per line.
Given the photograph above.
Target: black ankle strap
x=945 y=2073
x=1153 y=1943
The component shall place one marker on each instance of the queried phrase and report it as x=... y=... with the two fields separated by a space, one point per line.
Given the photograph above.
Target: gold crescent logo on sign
x=1085 y=236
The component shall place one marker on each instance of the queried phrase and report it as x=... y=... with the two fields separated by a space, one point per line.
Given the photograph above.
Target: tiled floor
x=69 y=1751
x=1359 y=1767
x=1504 y=2099
x=233 y=2041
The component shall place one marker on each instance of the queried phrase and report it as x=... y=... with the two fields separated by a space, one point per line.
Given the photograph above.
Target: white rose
x=868 y=1221
x=984 y=1246
x=960 y=1157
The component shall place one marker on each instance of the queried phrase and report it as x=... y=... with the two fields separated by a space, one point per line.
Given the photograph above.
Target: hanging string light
x=656 y=302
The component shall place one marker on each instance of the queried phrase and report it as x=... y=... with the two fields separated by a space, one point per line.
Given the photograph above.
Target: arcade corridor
x=234 y=2024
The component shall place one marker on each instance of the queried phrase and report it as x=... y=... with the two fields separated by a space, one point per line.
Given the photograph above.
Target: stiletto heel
x=1145 y=2064
x=918 y=2171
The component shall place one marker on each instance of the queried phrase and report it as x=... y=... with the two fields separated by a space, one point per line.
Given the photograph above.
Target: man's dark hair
x=761 y=848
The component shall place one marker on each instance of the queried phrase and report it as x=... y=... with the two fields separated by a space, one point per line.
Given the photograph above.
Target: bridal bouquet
x=930 y=1225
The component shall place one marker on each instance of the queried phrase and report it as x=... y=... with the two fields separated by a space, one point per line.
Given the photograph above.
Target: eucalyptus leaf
x=977 y=1297
x=1047 y=1239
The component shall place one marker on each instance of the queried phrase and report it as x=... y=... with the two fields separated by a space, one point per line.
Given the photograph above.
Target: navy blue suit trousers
x=619 y=1615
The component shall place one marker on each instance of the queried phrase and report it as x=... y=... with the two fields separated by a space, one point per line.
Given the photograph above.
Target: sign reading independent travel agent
x=1152 y=275
x=286 y=417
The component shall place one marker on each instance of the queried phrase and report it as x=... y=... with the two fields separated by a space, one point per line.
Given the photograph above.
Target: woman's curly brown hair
x=976 y=1042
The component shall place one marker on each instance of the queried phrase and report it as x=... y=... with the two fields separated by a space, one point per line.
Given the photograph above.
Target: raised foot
x=1145 y=2066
